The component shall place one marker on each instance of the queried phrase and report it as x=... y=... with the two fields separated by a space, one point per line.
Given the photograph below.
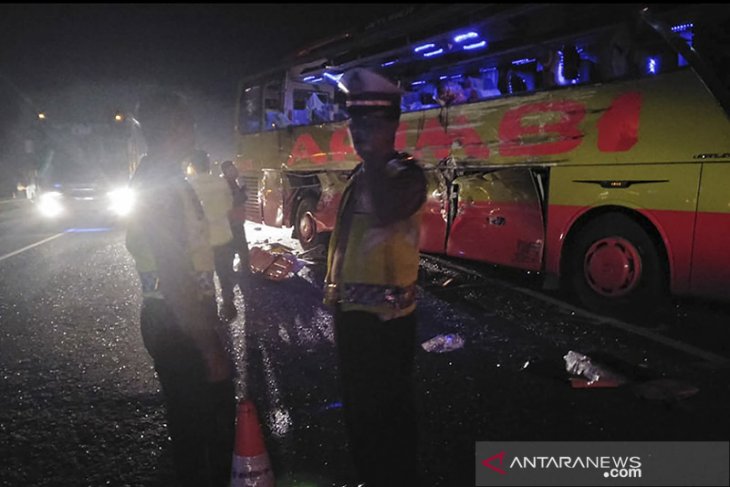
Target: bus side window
x=427 y=96
x=613 y=54
x=450 y=93
x=300 y=114
x=587 y=68
x=249 y=113
x=473 y=87
x=410 y=101
x=509 y=81
x=489 y=83
x=273 y=106
x=276 y=119
x=319 y=107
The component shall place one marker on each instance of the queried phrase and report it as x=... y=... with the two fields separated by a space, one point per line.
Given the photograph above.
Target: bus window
x=275 y=117
x=319 y=106
x=315 y=106
x=510 y=81
x=300 y=114
x=450 y=93
x=249 y=111
x=489 y=83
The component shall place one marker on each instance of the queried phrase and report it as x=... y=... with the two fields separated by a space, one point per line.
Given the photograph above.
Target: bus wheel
x=614 y=265
x=306 y=224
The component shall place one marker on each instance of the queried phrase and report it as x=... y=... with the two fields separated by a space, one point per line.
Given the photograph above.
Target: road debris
x=591 y=374
x=274 y=262
x=443 y=343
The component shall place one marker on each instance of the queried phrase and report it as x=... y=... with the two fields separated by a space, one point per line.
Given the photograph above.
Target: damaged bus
x=590 y=143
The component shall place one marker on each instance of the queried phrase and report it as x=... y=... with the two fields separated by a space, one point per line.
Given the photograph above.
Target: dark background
x=82 y=63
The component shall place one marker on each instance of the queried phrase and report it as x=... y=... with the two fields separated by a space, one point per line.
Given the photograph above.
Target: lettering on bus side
x=618 y=127
x=712 y=155
x=439 y=141
x=566 y=133
x=340 y=145
x=618 y=131
x=306 y=148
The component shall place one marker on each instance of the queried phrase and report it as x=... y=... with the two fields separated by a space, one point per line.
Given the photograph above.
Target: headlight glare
x=121 y=201
x=49 y=204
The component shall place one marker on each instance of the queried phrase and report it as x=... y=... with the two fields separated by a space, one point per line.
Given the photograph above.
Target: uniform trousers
x=376 y=369
x=200 y=414
x=223 y=256
x=240 y=246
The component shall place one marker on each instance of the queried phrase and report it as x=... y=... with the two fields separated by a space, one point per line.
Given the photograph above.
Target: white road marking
x=594 y=318
x=27 y=247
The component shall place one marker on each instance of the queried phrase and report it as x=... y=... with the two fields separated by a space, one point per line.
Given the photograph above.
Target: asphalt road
x=80 y=405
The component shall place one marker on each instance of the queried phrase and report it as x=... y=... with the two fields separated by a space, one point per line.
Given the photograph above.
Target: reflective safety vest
x=199 y=248
x=217 y=201
x=377 y=266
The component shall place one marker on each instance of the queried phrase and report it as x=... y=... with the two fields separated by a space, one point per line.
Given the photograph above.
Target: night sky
x=83 y=62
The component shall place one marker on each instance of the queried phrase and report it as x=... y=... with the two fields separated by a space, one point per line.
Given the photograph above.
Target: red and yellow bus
x=590 y=143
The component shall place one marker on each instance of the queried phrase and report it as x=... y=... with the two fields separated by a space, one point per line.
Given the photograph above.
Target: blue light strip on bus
x=463 y=37
x=389 y=63
x=424 y=47
x=334 y=77
x=561 y=79
x=433 y=53
x=682 y=27
x=652 y=65
x=517 y=62
x=477 y=45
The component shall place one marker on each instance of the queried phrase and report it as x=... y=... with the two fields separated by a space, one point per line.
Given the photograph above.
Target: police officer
x=372 y=268
x=168 y=238
x=217 y=201
x=237 y=216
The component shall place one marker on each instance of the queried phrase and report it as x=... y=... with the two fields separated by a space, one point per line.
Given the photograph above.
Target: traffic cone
x=251 y=466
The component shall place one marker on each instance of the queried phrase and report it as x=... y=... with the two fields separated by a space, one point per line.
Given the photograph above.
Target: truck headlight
x=121 y=201
x=50 y=205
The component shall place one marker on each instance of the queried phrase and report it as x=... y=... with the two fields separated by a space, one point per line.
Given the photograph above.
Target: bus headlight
x=121 y=201
x=49 y=204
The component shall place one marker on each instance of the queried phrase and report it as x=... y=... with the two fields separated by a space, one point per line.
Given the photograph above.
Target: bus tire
x=306 y=224
x=613 y=265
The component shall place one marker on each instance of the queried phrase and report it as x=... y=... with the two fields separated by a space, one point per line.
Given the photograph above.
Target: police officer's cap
x=368 y=92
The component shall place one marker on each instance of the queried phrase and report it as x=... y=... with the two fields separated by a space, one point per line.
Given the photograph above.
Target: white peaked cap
x=360 y=80
x=367 y=90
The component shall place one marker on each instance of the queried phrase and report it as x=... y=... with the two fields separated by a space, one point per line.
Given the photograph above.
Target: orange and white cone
x=251 y=466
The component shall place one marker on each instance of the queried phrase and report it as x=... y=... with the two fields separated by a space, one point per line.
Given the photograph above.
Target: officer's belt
x=151 y=284
x=371 y=295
